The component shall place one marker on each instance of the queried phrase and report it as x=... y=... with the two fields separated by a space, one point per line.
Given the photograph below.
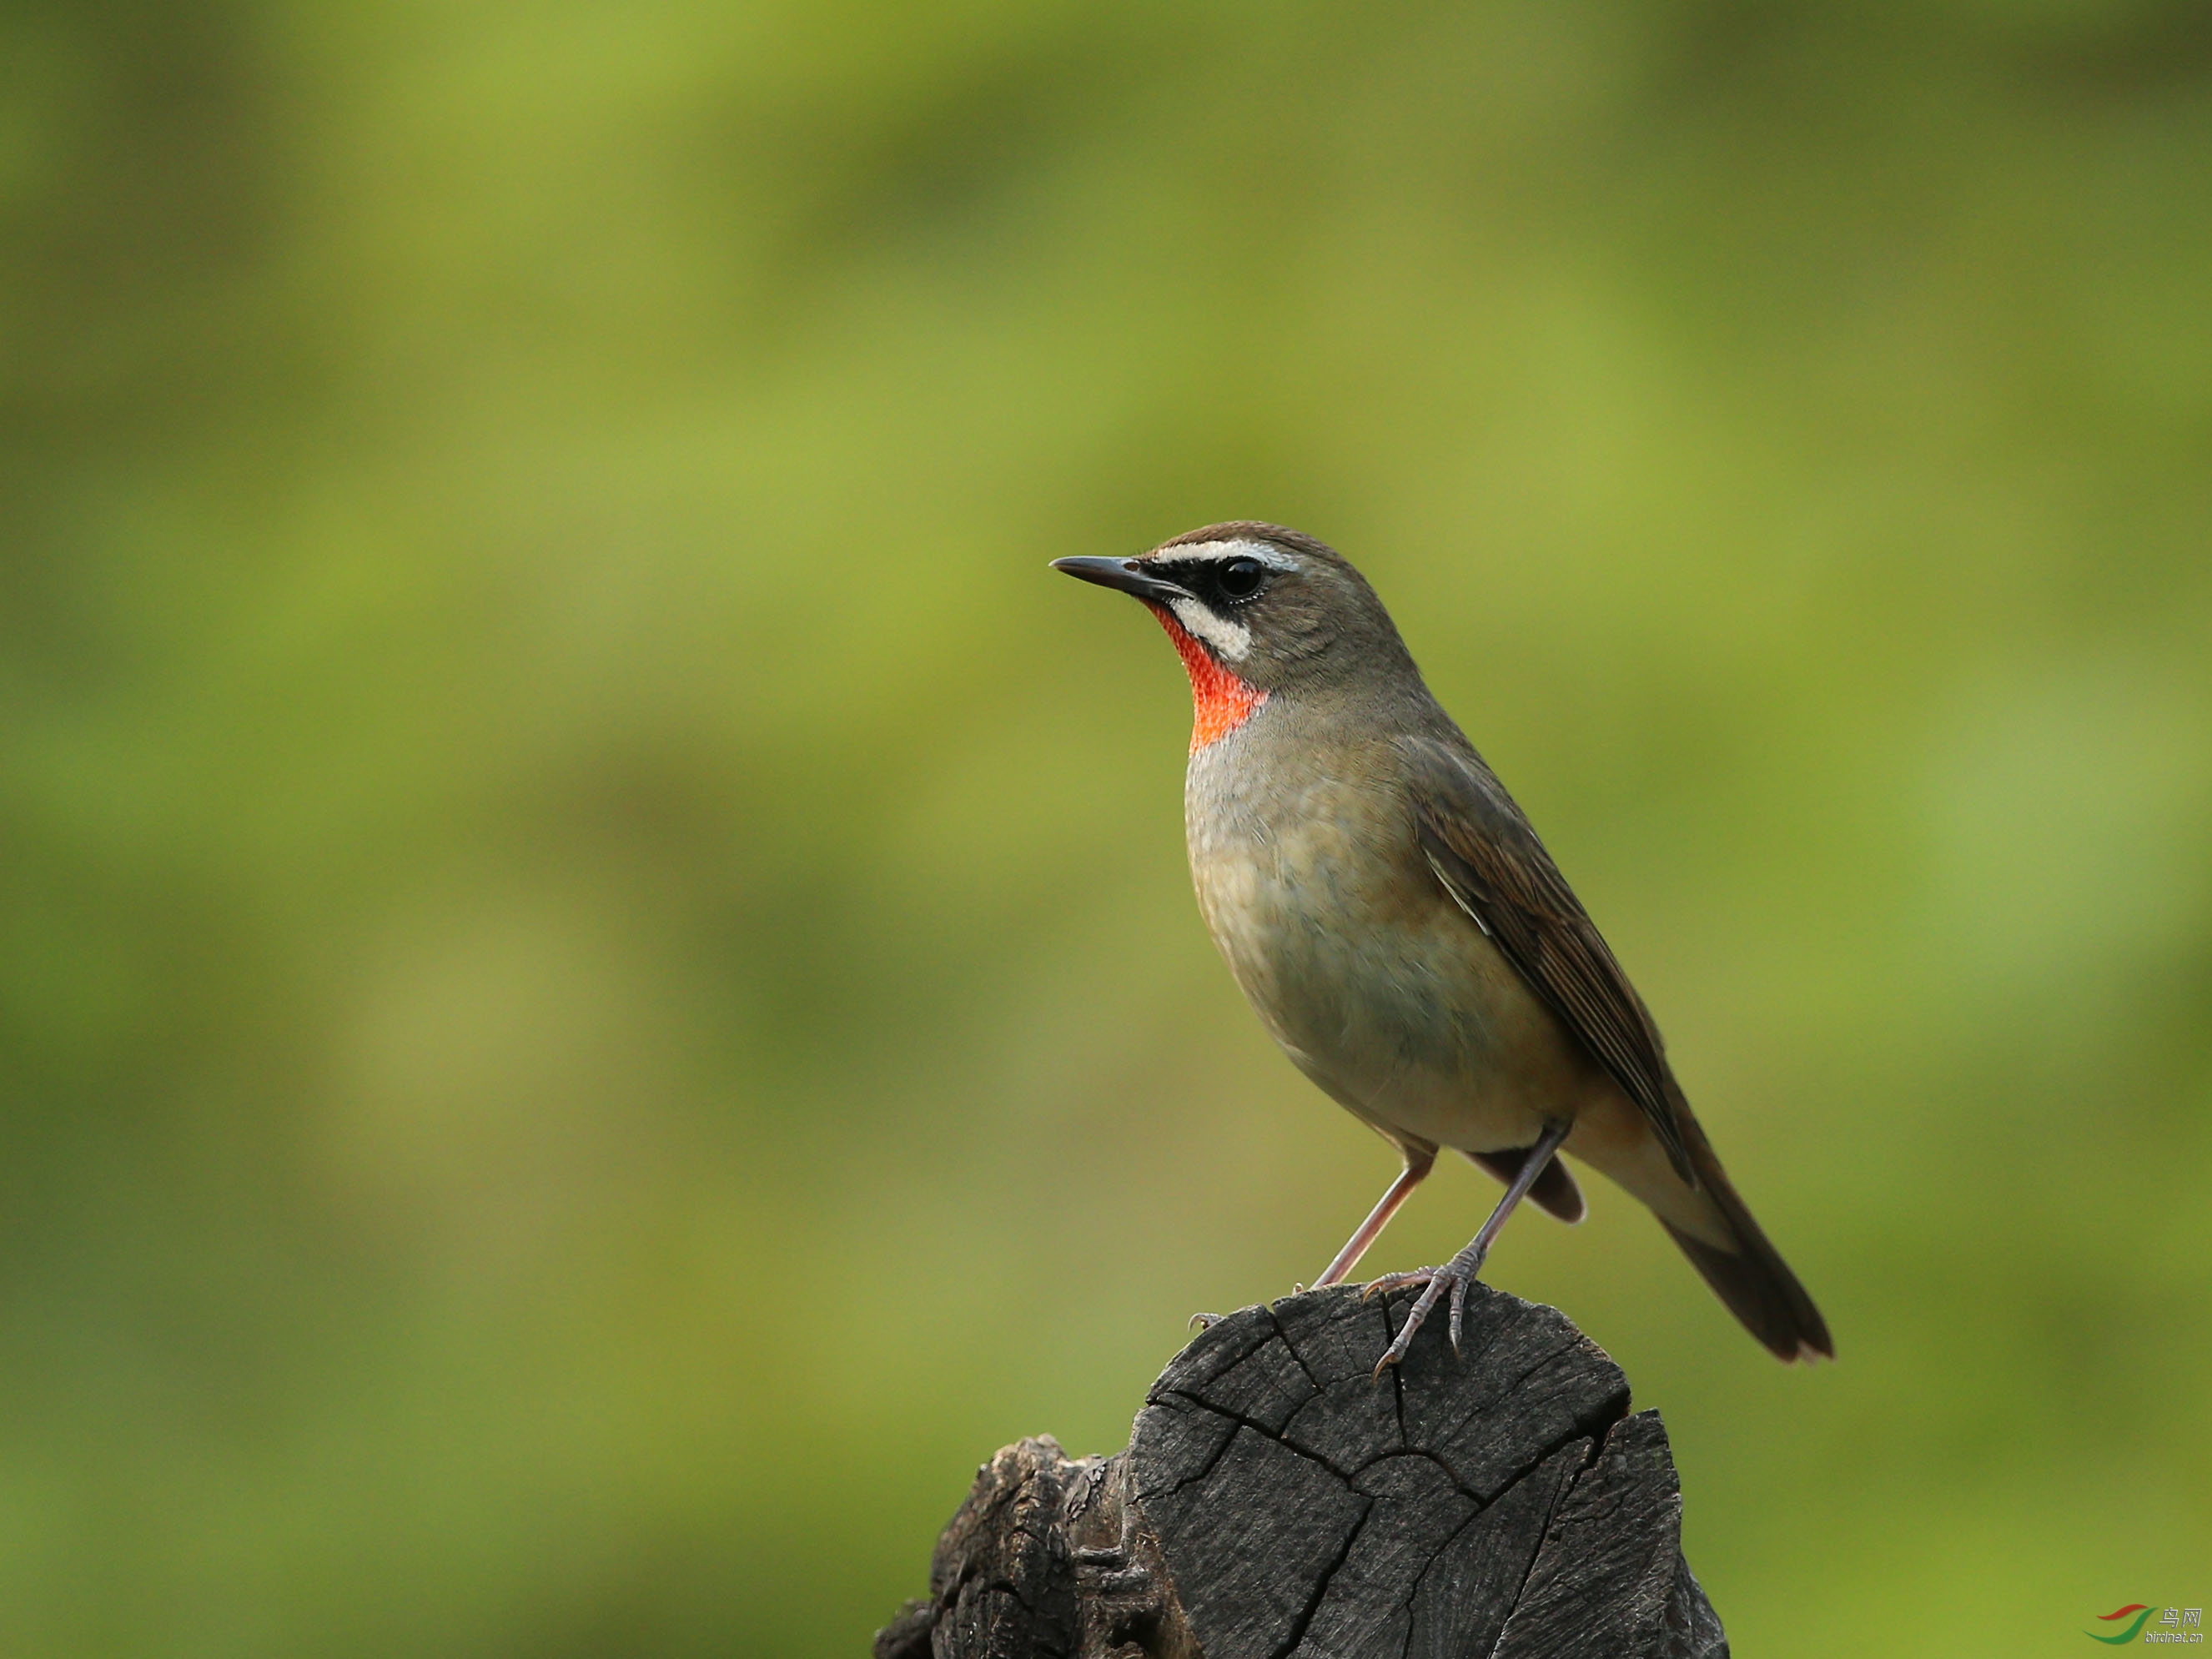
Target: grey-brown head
x=1271 y=607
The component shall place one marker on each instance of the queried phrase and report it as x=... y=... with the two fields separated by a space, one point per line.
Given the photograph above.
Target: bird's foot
x=1203 y=1321
x=1454 y=1275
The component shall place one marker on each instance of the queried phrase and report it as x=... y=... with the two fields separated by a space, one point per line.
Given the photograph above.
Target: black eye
x=1240 y=579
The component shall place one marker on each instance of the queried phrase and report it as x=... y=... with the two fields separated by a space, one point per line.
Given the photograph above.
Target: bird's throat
x=1219 y=701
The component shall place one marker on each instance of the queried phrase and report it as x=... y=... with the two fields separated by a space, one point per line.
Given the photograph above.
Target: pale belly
x=1377 y=985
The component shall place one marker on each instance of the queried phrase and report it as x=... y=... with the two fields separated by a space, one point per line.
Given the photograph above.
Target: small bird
x=1402 y=932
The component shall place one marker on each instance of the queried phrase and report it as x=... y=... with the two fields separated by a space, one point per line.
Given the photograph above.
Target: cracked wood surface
x=1277 y=1502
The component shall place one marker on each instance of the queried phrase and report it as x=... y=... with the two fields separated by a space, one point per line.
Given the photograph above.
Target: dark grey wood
x=1277 y=1501
x=1047 y=1556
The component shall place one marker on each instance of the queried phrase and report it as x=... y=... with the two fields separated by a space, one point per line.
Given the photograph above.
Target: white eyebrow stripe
x=1231 y=639
x=1273 y=557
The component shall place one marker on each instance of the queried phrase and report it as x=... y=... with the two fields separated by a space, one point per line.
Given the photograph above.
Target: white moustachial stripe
x=1230 y=639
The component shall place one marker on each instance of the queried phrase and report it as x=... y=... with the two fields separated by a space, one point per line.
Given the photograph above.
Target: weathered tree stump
x=1277 y=1502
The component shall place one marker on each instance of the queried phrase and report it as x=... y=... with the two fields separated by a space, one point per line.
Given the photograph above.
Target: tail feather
x=1751 y=1277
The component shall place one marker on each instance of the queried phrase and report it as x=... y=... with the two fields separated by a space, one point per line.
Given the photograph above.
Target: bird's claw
x=1459 y=1273
x=1203 y=1321
x=1404 y=1281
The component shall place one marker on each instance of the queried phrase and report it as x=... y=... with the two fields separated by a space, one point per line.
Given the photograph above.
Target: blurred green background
x=597 y=993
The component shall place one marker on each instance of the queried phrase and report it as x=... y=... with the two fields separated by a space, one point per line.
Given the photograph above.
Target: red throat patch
x=1219 y=701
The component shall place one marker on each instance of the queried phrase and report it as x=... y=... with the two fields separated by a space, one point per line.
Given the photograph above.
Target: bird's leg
x=1459 y=1273
x=1418 y=1165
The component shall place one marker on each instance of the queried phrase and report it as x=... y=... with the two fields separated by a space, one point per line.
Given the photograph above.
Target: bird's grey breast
x=1312 y=882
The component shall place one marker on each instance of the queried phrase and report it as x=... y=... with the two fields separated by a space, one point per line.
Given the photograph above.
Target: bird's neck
x=1219 y=701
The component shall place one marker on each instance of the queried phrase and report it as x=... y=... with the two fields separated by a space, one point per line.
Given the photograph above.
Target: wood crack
x=1275 y=1503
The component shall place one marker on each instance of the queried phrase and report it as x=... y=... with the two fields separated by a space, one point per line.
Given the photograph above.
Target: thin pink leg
x=1418 y=1165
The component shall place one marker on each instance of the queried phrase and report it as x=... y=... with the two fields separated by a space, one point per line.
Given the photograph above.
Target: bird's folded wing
x=1488 y=857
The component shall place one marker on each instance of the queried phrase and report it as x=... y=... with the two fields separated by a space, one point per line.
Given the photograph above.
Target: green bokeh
x=598 y=995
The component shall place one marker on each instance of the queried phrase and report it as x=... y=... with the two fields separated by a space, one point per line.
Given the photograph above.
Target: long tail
x=1747 y=1274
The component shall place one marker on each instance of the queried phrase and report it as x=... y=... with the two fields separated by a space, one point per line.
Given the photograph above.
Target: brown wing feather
x=1488 y=857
